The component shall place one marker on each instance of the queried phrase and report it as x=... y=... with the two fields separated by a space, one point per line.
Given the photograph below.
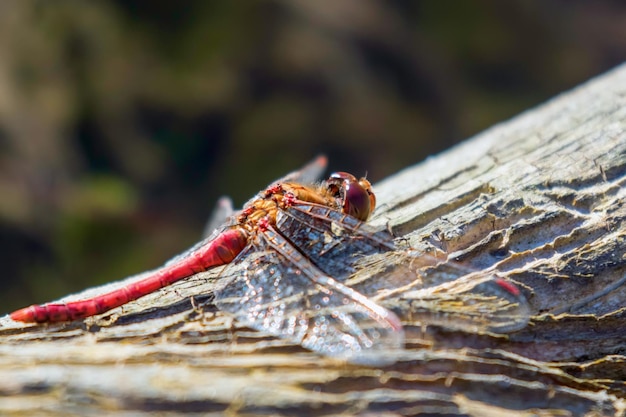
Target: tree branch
x=538 y=199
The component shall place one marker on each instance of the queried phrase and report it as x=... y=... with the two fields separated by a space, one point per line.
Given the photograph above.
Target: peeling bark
x=538 y=199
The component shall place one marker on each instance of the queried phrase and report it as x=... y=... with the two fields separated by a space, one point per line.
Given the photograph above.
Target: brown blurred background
x=121 y=122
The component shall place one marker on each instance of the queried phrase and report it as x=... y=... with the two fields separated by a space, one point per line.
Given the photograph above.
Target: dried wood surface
x=540 y=199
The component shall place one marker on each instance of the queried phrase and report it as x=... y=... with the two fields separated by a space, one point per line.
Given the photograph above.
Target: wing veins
x=380 y=314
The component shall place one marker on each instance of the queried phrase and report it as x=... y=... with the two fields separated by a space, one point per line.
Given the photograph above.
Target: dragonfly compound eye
x=367 y=186
x=354 y=196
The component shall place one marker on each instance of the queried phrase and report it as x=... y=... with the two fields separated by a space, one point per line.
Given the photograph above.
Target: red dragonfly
x=304 y=266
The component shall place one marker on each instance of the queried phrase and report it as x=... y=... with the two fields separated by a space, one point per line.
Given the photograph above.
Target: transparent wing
x=435 y=291
x=279 y=292
x=445 y=293
x=332 y=240
x=222 y=211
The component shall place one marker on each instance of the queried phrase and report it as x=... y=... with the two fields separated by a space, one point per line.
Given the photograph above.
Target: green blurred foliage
x=121 y=122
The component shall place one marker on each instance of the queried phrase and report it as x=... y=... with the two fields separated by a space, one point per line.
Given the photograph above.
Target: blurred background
x=122 y=122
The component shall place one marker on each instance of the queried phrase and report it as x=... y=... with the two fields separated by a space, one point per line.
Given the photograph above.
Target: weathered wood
x=540 y=199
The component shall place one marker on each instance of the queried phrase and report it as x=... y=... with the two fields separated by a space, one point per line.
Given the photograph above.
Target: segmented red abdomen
x=222 y=250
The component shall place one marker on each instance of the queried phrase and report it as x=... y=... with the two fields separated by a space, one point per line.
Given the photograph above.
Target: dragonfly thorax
x=281 y=196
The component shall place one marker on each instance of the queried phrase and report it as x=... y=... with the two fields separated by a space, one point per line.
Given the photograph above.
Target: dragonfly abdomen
x=222 y=250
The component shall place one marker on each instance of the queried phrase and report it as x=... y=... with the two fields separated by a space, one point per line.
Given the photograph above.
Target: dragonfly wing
x=279 y=292
x=448 y=294
x=222 y=211
x=471 y=301
x=331 y=239
x=367 y=260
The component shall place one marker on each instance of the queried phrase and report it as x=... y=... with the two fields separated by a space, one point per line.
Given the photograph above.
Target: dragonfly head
x=355 y=197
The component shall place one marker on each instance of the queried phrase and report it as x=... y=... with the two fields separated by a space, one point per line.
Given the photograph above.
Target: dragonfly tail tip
x=24 y=315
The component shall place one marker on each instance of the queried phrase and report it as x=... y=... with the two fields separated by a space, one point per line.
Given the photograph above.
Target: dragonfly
x=303 y=265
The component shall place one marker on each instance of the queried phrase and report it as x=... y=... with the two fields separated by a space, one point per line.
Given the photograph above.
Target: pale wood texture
x=540 y=199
